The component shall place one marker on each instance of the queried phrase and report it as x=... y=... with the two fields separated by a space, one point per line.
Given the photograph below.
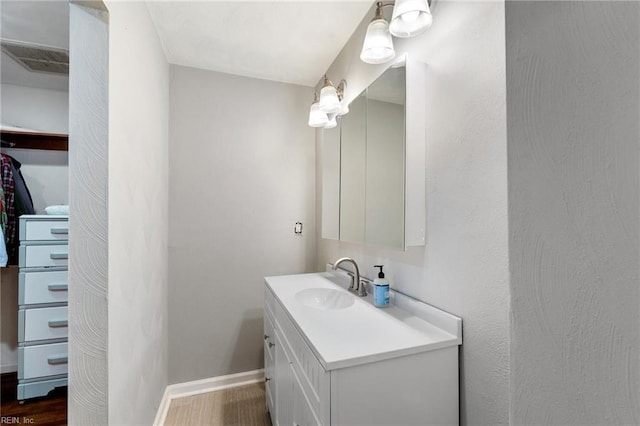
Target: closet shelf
x=33 y=140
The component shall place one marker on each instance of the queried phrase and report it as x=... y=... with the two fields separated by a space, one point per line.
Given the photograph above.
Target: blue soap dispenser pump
x=380 y=289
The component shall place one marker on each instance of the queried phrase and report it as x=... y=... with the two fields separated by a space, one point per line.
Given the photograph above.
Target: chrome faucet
x=356 y=286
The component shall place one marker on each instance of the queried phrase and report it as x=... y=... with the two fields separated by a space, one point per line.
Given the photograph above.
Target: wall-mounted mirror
x=373 y=164
x=353 y=171
x=331 y=183
x=384 y=211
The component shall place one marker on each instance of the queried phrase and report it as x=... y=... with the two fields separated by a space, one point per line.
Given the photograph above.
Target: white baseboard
x=181 y=390
x=8 y=368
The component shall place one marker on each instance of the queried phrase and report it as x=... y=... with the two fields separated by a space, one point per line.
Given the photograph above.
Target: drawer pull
x=59 y=231
x=59 y=323
x=266 y=379
x=271 y=344
x=58 y=359
x=266 y=336
x=58 y=287
x=59 y=255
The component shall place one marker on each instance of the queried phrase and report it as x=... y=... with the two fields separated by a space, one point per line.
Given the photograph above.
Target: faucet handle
x=352 y=286
x=362 y=287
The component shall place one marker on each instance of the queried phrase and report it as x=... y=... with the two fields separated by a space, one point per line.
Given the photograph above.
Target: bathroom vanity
x=332 y=358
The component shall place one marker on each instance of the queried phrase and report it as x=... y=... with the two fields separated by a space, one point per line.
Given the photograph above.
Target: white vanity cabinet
x=42 y=300
x=297 y=386
x=327 y=367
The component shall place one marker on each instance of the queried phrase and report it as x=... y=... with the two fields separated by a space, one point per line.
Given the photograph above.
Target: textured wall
x=138 y=215
x=241 y=175
x=573 y=113
x=464 y=266
x=88 y=141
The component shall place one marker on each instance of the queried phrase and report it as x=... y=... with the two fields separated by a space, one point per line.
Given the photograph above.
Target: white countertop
x=362 y=333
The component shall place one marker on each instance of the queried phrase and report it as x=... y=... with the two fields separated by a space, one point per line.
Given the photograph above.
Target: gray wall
x=464 y=267
x=573 y=108
x=241 y=174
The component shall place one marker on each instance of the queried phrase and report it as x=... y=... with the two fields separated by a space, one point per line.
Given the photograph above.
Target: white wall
x=573 y=92
x=35 y=109
x=138 y=215
x=88 y=183
x=464 y=267
x=241 y=174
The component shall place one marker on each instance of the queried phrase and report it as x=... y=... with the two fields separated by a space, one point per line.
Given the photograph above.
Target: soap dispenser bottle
x=380 y=289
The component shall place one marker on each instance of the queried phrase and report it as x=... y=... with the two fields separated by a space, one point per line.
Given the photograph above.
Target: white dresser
x=42 y=299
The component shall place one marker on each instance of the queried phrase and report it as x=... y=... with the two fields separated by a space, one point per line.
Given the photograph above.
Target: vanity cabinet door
x=303 y=413
x=295 y=375
x=269 y=361
x=283 y=384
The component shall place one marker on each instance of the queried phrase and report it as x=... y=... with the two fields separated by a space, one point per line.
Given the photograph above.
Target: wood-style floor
x=46 y=411
x=243 y=405
x=240 y=406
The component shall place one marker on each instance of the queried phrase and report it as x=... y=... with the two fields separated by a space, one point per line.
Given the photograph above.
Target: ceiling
x=287 y=41
x=40 y=22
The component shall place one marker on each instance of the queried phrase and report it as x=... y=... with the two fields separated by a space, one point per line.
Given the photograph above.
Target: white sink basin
x=325 y=299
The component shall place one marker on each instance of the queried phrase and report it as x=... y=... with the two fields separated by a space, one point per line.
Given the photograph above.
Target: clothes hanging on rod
x=3 y=223
x=24 y=202
x=15 y=201
x=10 y=227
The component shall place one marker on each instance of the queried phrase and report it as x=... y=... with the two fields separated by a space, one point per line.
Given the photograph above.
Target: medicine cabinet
x=373 y=163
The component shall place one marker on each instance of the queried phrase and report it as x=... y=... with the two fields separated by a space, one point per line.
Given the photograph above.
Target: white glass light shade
x=344 y=109
x=378 y=46
x=410 y=18
x=332 y=122
x=317 y=118
x=329 y=102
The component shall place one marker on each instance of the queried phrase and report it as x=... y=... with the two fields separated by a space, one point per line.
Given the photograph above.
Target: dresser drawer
x=43 y=255
x=43 y=287
x=42 y=324
x=42 y=360
x=43 y=229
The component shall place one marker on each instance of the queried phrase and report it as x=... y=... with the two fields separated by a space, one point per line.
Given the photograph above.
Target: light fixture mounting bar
x=379 y=6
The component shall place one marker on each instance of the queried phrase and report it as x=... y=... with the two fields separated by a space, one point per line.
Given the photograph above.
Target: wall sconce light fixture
x=378 y=45
x=324 y=112
x=333 y=122
x=410 y=18
x=331 y=97
x=317 y=118
x=344 y=106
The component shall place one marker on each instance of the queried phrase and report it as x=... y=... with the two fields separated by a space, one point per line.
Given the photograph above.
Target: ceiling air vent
x=38 y=58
